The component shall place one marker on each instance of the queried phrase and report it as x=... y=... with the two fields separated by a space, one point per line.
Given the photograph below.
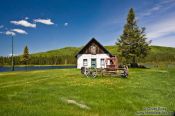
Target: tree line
x=40 y=60
x=70 y=59
x=27 y=59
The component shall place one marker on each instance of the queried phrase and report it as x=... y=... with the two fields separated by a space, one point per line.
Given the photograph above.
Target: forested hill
x=158 y=53
x=58 y=52
x=67 y=56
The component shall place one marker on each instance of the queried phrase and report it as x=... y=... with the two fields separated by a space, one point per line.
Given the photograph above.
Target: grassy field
x=67 y=92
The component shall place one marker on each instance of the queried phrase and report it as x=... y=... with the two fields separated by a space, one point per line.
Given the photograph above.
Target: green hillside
x=71 y=51
x=58 y=52
x=112 y=49
x=158 y=53
x=67 y=56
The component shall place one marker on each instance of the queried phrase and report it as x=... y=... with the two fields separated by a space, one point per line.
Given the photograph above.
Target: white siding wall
x=98 y=58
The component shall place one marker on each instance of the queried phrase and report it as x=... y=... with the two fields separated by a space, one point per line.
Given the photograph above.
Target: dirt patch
x=80 y=105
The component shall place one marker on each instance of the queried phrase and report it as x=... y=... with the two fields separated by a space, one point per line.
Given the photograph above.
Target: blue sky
x=44 y=25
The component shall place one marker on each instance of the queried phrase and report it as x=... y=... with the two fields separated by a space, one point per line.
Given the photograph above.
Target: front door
x=93 y=63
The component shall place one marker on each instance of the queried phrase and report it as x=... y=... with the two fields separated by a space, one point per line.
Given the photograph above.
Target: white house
x=93 y=54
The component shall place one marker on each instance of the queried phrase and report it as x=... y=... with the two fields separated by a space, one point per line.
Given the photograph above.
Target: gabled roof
x=95 y=41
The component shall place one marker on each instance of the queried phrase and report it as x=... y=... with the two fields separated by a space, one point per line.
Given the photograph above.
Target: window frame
x=85 y=62
x=102 y=62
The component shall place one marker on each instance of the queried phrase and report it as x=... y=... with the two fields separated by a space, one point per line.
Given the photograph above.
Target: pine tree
x=132 y=43
x=25 y=57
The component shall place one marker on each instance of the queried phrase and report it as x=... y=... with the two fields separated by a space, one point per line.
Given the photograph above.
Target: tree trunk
x=134 y=63
x=134 y=60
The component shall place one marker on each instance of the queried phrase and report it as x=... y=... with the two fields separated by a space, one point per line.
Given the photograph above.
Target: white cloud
x=1 y=26
x=162 y=31
x=168 y=41
x=153 y=9
x=66 y=24
x=44 y=21
x=13 y=54
x=26 y=18
x=161 y=28
x=10 y=33
x=24 y=23
x=163 y=5
x=20 y=31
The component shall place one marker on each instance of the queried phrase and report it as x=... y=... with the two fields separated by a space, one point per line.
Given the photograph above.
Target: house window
x=85 y=63
x=102 y=62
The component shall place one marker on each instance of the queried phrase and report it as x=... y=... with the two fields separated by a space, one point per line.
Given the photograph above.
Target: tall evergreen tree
x=25 y=57
x=132 y=43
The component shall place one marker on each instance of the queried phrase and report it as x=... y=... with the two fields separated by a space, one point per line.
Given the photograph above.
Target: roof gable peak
x=98 y=48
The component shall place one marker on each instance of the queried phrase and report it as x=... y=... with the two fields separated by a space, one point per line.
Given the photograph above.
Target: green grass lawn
x=47 y=92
